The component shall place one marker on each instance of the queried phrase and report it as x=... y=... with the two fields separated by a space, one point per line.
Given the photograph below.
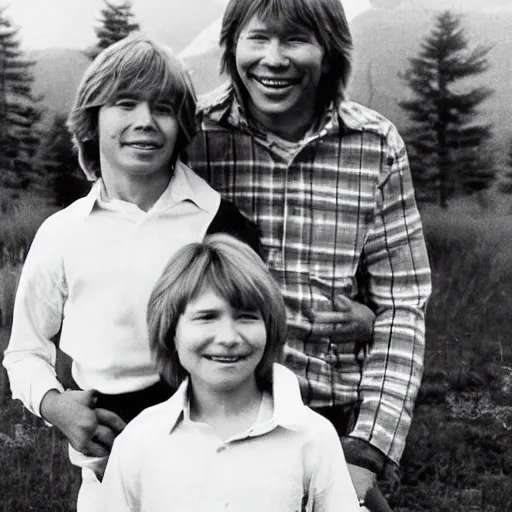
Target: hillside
x=379 y=60
x=383 y=41
x=57 y=74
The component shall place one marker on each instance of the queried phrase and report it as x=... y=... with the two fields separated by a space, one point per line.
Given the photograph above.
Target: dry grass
x=459 y=451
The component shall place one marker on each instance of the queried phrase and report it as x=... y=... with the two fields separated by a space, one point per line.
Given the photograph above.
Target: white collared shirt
x=290 y=460
x=91 y=269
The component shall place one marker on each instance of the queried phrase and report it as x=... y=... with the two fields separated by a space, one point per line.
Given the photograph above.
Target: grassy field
x=459 y=451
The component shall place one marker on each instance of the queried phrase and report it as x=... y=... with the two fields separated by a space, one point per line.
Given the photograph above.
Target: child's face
x=220 y=347
x=137 y=135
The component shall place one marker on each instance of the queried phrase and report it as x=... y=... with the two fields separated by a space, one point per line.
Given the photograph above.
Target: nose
x=143 y=117
x=227 y=333
x=275 y=54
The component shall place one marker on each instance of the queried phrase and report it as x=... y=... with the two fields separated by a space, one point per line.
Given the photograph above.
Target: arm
x=330 y=487
x=30 y=356
x=397 y=278
x=119 y=484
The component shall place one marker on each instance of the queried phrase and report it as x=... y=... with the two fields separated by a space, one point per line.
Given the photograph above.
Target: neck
x=289 y=127
x=143 y=191
x=209 y=405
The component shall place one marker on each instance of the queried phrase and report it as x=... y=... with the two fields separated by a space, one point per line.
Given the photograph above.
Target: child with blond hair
x=92 y=266
x=235 y=435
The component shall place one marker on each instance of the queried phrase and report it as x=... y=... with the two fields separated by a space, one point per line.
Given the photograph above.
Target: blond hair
x=236 y=273
x=133 y=64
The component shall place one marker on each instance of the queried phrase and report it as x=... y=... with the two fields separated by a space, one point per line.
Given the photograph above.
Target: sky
x=69 y=23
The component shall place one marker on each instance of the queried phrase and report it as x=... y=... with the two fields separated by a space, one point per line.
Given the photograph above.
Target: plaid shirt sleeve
x=397 y=273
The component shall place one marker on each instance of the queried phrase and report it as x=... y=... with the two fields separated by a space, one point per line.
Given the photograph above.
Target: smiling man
x=328 y=183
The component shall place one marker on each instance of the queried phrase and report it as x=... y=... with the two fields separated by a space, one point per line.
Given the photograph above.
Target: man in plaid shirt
x=328 y=183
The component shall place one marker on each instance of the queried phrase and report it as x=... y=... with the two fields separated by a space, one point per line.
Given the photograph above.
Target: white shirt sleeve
x=330 y=485
x=120 y=480
x=38 y=312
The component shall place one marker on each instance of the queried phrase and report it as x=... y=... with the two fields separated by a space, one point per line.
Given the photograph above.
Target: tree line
x=447 y=142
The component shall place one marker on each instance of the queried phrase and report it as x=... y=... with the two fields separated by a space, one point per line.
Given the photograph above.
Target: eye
x=250 y=316
x=302 y=39
x=125 y=103
x=257 y=38
x=206 y=316
x=164 y=109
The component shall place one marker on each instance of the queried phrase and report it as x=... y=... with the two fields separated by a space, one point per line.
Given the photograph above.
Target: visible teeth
x=275 y=83
x=143 y=146
x=224 y=359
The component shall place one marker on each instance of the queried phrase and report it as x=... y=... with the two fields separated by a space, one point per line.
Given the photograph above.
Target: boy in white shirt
x=236 y=435
x=92 y=266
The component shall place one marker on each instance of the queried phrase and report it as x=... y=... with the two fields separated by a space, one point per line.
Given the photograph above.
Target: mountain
x=57 y=74
x=179 y=21
x=384 y=39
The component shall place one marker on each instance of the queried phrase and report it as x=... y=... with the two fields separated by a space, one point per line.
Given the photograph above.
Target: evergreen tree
x=506 y=183
x=63 y=178
x=19 y=112
x=446 y=142
x=116 y=23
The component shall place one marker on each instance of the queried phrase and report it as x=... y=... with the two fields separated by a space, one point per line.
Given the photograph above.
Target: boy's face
x=220 y=347
x=280 y=70
x=137 y=135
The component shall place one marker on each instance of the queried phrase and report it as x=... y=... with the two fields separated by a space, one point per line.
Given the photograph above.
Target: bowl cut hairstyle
x=236 y=273
x=324 y=18
x=135 y=64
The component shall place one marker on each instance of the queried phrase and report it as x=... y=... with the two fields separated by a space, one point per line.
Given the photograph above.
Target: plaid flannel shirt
x=337 y=217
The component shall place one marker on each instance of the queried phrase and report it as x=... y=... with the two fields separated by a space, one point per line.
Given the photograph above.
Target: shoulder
x=67 y=215
x=214 y=100
x=213 y=107
x=360 y=118
x=57 y=230
x=317 y=428
x=150 y=425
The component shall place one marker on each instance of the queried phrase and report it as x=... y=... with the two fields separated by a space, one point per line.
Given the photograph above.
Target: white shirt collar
x=185 y=185
x=284 y=405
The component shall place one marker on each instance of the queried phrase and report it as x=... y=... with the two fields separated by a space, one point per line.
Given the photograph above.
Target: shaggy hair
x=135 y=64
x=324 y=18
x=232 y=270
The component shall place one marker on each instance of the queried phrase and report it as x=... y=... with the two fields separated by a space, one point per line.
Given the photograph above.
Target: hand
x=351 y=321
x=363 y=480
x=88 y=430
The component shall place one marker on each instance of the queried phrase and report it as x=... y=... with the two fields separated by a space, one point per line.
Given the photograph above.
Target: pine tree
x=19 y=111
x=506 y=179
x=63 y=179
x=446 y=141
x=116 y=23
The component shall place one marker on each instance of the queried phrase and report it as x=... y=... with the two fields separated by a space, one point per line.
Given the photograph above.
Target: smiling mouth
x=276 y=83
x=143 y=145
x=225 y=359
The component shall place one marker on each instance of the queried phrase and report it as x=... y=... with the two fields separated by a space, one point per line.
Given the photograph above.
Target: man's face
x=137 y=136
x=280 y=71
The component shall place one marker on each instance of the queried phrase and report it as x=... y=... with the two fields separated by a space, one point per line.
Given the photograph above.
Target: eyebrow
x=157 y=98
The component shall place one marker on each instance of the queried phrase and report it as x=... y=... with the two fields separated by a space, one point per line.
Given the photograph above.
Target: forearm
x=31 y=377
x=390 y=380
